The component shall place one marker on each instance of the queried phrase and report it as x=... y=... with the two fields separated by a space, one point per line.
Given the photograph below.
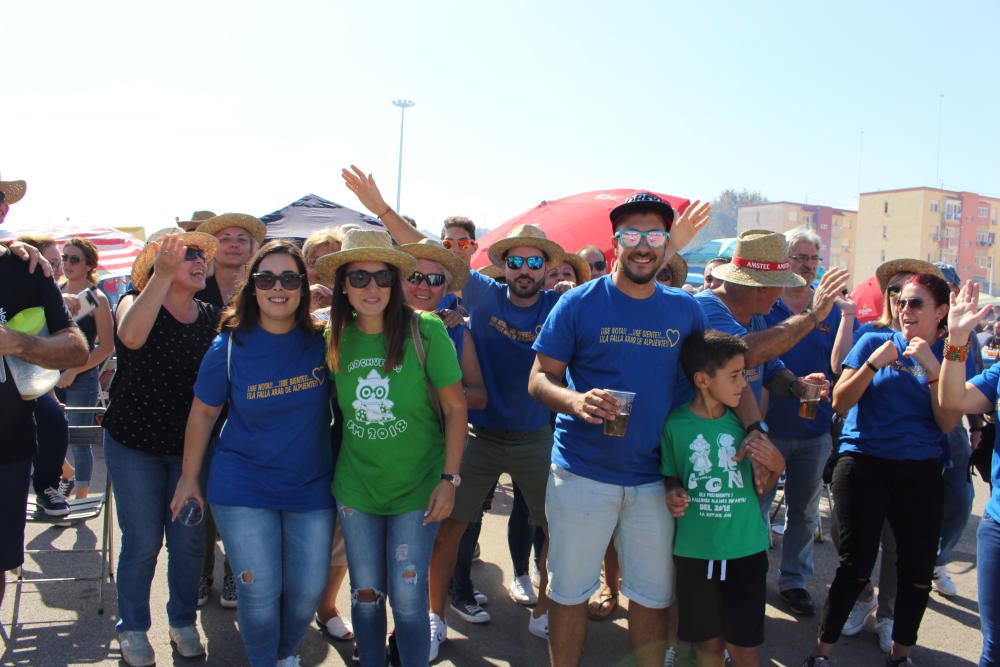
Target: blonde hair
x=38 y=241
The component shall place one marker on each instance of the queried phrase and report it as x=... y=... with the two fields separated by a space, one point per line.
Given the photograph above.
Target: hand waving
x=965 y=313
x=365 y=188
x=690 y=222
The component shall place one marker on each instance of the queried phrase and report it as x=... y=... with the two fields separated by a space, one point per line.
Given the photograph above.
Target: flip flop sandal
x=336 y=628
x=603 y=606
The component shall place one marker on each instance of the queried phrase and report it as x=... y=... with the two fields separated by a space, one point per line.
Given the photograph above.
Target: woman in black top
x=163 y=332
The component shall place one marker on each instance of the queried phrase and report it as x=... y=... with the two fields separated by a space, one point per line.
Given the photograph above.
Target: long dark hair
x=243 y=312
x=395 y=320
x=938 y=288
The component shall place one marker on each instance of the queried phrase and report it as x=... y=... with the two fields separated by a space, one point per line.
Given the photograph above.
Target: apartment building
x=836 y=227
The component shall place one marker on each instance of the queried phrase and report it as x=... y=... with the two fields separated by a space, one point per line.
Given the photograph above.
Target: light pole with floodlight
x=403 y=106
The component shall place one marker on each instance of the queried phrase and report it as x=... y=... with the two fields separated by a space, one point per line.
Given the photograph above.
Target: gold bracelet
x=383 y=213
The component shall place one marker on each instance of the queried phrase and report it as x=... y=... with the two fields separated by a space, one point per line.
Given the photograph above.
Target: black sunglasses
x=360 y=278
x=192 y=253
x=71 y=259
x=915 y=303
x=516 y=262
x=599 y=265
x=894 y=290
x=290 y=280
x=432 y=279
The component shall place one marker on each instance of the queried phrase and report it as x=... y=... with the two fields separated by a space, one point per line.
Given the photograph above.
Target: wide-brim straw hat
x=528 y=236
x=491 y=271
x=197 y=218
x=886 y=270
x=256 y=228
x=759 y=260
x=580 y=267
x=13 y=191
x=143 y=266
x=679 y=269
x=366 y=245
x=435 y=252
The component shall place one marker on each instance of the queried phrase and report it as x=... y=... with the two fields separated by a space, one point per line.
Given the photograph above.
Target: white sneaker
x=859 y=614
x=290 y=661
x=187 y=641
x=439 y=635
x=522 y=592
x=481 y=598
x=883 y=628
x=136 y=649
x=943 y=583
x=539 y=626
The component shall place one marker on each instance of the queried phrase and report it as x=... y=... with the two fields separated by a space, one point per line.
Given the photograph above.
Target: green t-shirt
x=723 y=520
x=392 y=454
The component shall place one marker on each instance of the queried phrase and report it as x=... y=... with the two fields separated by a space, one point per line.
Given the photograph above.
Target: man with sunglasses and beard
x=620 y=332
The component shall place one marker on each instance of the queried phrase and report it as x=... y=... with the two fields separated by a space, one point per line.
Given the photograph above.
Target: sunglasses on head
x=71 y=259
x=289 y=280
x=463 y=244
x=516 y=262
x=360 y=278
x=192 y=253
x=599 y=265
x=915 y=303
x=631 y=238
x=432 y=279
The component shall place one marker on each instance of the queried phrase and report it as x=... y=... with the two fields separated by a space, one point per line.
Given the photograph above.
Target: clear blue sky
x=124 y=113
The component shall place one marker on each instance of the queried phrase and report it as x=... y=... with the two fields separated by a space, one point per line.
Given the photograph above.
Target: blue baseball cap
x=949 y=273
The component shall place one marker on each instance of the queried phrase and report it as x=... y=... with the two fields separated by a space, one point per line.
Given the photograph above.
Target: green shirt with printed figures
x=392 y=454
x=723 y=521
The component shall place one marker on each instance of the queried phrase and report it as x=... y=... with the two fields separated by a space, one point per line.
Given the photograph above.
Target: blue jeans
x=280 y=559
x=82 y=393
x=804 y=460
x=389 y=556
x=958 y=494
x=53 y=438
x=988 y=563
x=144 y=486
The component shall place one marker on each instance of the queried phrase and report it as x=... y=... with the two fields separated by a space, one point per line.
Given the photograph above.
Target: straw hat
x=490 y=271
x=13 y=190
x=253 y=225
x=759 y=260
x=435 y=252
x=679 y=269
x=197 y=218
x=143 y=266
x=365 y=245
x=580 y=267
x=526 y=236
x=887 y=270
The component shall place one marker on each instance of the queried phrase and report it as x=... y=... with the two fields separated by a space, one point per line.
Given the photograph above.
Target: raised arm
x=363 y=185
x=845 y=334
x=954 y=392
x=136 y=316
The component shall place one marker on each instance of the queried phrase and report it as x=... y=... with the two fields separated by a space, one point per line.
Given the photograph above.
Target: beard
x=525 y=292
x=638 y=279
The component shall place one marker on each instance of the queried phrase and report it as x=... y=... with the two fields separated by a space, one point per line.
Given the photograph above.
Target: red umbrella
x=868 y=297
x=572 y=222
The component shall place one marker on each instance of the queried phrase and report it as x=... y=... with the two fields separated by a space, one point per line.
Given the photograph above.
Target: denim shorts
x=584 y=515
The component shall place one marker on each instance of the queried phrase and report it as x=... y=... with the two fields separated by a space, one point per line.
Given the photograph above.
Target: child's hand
x=677 y=501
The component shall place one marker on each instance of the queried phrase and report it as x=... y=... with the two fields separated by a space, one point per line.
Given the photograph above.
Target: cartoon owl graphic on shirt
x=372 y=404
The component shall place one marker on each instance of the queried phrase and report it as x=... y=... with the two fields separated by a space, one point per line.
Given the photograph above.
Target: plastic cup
x=809 y=401
x=191 y=514
x=31 y=380
x=618 y=426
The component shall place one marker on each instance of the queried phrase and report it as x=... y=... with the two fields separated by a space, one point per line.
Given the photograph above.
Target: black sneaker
x=902 y=662
x=392 y=651
x=66 y=486
x=52 y=502
x=204 y=589
x=799 y=601
x=470 y=611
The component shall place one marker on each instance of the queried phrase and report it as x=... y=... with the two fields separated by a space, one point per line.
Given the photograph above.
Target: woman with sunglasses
x=163 y=332
x=269 y=484
x=79 y=387
x=397 y=471
x=977 y=395
x=890 y=465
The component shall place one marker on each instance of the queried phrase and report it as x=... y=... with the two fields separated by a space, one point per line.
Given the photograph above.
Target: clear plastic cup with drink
x=809 y=401
x=617 y=427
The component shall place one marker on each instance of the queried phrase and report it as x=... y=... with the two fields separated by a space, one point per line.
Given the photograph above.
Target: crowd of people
x=346 y=409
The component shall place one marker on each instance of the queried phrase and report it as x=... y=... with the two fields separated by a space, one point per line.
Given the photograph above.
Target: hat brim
x=739 y=275
x=141 y=268
x=256 y=228
x=492 y=271
x=554 y=253
x=453 y=263
x=663 y=208
x=13 y=191
x=327 y=265
x=886 y=270
x=580 y=267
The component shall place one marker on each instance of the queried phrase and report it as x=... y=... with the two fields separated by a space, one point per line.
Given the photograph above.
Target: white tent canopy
x=310 y=213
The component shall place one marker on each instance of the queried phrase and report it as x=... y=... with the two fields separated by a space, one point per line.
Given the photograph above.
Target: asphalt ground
x=58 y=623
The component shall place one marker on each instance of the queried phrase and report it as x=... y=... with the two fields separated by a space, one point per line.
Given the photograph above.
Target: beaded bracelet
x=955 y=352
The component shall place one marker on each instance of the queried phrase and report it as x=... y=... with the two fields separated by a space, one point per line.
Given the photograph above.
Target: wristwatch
x=758 y=426
x=455 y=479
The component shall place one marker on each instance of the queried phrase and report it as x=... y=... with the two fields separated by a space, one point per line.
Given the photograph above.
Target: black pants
x=53 y=440
x=868 y=490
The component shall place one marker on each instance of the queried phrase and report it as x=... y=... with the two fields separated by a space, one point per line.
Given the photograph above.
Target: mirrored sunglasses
x=463 y=244
x=516 y=262
x=631 y=238
x=192 y=253
x=432 y=279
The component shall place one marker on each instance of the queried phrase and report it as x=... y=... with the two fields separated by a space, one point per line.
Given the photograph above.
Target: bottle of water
x=88 y=301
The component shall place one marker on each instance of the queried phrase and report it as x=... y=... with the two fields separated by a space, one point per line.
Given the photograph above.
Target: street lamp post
x=403 y=106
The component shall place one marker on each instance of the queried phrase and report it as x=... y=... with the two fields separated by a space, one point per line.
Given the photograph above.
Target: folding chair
x=80 y=510
x=780 y=502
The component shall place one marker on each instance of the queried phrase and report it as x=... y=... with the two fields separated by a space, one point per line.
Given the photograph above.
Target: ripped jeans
x=278 y=556
x=388 y=556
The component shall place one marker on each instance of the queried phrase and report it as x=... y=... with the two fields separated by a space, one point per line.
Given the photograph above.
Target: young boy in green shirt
x=720 y=548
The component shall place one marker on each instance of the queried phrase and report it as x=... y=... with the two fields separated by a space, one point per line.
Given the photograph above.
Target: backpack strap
x=418 y=346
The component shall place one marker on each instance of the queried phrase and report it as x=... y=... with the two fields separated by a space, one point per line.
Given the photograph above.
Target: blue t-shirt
x=988 y=382
x=719 y=317
x=503 y=334
x=893 y=419
x=809 y=355
x=274 y=449
x=610 y=340
x=870 y=327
